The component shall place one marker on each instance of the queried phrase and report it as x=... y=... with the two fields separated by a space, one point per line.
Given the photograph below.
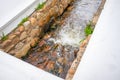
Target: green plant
x=23 y=20
x=4 y=37
x=88 y=30
x=40 y=6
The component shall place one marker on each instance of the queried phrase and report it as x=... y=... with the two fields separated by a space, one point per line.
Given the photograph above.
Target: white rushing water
x=72 y=31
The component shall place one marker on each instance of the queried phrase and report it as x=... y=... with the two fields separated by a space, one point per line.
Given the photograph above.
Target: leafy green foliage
x=40 y=6
x=23 y=20
x=4 y=37
x=88 y=30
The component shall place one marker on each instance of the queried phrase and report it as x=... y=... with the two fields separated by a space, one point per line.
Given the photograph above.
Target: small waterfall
x=72 y=31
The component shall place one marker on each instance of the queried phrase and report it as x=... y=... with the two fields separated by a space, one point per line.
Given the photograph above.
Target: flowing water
x=56 y=51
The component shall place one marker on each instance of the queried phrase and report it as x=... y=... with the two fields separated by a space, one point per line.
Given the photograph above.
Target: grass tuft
x=40 y=6
x=4 y=37
x=23 y=20
x=88 y=30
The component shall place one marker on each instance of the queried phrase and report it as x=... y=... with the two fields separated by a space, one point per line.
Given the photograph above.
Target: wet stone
x=41 y=43
x=50 y=65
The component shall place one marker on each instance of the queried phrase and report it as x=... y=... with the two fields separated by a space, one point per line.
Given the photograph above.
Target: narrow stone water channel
x=58 y=48
x=51 y=41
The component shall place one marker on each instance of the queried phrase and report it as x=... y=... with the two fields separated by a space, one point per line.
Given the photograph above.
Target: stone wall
x=27 y=35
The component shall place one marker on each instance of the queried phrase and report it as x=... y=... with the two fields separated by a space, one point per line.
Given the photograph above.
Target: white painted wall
x=101 y=60
x=10 y=8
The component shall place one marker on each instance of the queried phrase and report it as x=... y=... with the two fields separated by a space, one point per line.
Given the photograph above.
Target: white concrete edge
x=101 y=60
x=14 y=21
x=12 y=68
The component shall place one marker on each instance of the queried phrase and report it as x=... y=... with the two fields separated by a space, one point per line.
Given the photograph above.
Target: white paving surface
x=101 y=61
x=12 y=68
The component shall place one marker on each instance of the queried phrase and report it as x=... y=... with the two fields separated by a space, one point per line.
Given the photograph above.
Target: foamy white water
x=72 y=32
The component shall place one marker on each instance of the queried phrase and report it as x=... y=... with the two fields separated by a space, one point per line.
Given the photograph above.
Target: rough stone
x=47 y=36
x=33 y=21
x=21 y=28
x=9 y=48
x=5 y=43
x=17 y=33
x=27 y=25
x=47 y=48
x=32 y=43
x=54 y=54
x=71 y=71
x=19 y=45
x=11 y=36
x=61 y=60
x=50 y=65
x=35 y=32
x=22 y=52
x=41 y=43
x=23 y=35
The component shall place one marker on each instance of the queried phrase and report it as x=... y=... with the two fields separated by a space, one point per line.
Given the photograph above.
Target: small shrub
x=23 y=20
x=4 y=37
x=88 y=30
x=40 y=6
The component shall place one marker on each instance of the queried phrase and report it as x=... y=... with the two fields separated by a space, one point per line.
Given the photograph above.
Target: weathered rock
x=5 y=43
x=61 y=60
x=54 y=54
x=35 y=32
x=47 y=48
x=40 y=66
x=12 y=36
x=17 y=33
x=9 y=48
x=27 y=25
x=47 y=36
x=32 y=43
x=21 y=28
x=50 y=65
x=71 y=71
x=23 y=35
x=41 y=43
x=33 y=21
x=22 y=52
x=60 y=70
x=19 y=45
